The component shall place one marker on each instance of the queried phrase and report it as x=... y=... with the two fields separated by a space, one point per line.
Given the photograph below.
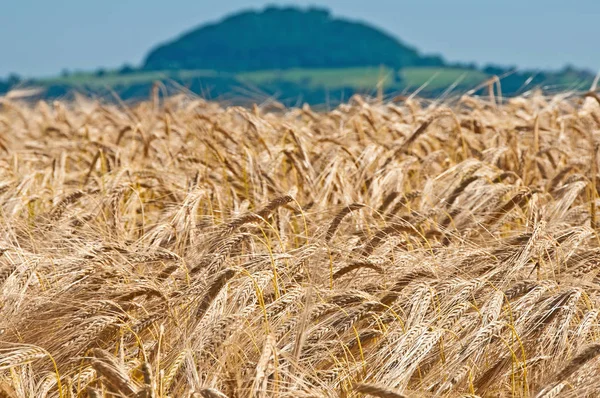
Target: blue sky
x=41 y=37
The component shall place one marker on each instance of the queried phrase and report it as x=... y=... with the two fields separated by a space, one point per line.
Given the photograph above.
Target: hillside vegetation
x=314 y=86
x=178 y=248
x=284 y=38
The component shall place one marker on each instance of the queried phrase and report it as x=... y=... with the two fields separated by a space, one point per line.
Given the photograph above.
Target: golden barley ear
x=114 y=375
x=339 y=217
x=259 y=216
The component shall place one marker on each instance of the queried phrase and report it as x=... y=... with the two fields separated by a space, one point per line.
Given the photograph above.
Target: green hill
x=284 y=38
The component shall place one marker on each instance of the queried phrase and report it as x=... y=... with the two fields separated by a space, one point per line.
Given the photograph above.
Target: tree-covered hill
x=284 y=38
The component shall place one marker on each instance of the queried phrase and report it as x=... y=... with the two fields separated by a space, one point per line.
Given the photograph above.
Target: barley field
x=182 y=248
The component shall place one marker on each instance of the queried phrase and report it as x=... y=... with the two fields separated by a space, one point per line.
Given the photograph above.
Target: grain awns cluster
x=184 y=248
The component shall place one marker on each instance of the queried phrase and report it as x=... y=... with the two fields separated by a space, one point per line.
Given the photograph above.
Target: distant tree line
x=13 y=80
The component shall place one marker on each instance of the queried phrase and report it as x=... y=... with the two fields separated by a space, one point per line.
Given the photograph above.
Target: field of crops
x=359 y=78
x=177 y=248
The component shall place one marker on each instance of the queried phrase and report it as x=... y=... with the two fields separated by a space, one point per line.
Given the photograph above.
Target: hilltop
x=285 y=38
